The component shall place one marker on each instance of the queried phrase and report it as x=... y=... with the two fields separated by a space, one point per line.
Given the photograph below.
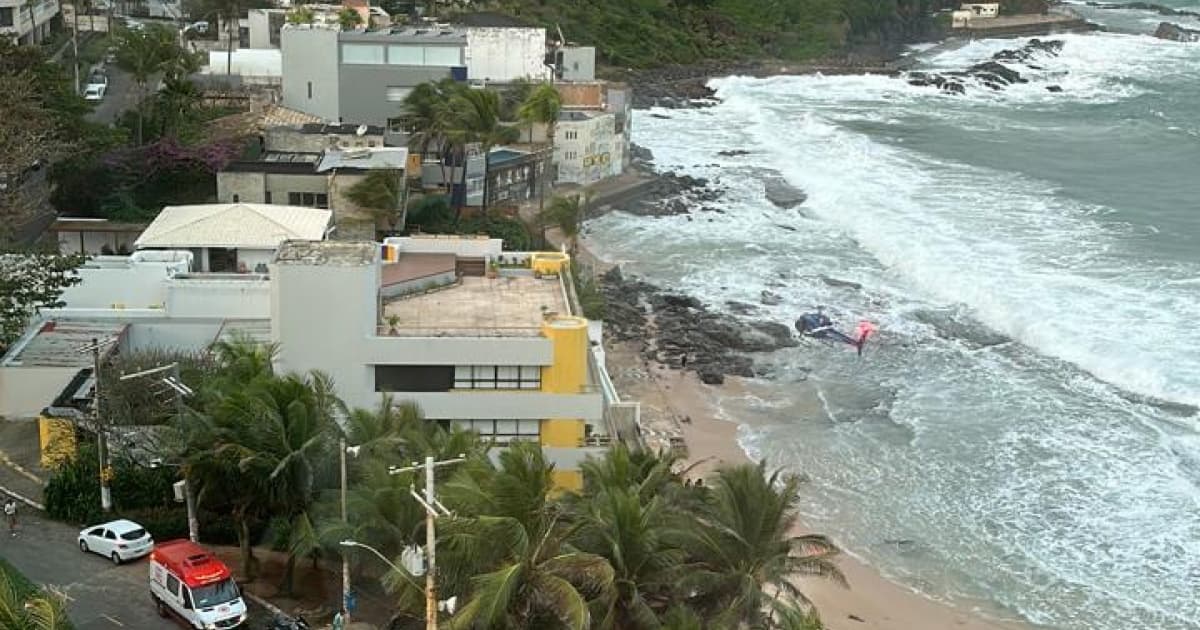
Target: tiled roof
x=234 y=225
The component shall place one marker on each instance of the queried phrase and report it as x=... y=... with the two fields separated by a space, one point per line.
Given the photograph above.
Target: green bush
x=73 y=492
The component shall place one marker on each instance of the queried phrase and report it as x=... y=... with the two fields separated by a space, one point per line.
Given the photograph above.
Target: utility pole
x=345 y=559
x=433 y=509
x=189 y=492
x=97 y=418
x=75 y=42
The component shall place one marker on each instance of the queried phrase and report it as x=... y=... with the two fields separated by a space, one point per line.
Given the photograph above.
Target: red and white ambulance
x=189 y=582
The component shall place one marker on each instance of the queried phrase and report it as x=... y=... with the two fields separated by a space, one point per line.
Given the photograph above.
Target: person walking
x=10 y=513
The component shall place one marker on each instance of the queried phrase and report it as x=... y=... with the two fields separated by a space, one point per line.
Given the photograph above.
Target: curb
x=272 y=608
x=22 y=498
x=7 y=461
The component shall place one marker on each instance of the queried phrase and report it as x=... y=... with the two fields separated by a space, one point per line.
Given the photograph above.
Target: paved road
x=101 y=596
x=121 y=95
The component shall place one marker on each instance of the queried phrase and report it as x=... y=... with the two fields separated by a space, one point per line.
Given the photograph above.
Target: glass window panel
x=508 y=372
x=443 y=56
x=485 y=371
x=506 y=427
x=485 y=384
x=406 y=55
x=362 y=53
x=529 y=427
x=530 y=385
x=462 y=371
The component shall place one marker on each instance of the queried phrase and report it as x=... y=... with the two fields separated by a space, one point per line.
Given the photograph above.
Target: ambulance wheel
x=162 y=608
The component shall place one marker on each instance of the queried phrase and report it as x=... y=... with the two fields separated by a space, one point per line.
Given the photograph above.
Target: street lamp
x=433 y=509
x=180 y=389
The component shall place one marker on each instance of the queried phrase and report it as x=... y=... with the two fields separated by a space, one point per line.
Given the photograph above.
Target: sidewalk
x=20 y=470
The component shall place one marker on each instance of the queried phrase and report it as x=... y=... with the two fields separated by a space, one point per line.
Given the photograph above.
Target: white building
x=232 y=237
x=587 y=147
x=506 y=54
x=20 y=27
x=505 y=356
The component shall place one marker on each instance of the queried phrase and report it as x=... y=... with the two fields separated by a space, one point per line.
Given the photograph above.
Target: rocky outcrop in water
x=1176 y=33
x=671 y=194
x=992 y=74
x=783 y=194
x=1146 y=6
x=683 y=333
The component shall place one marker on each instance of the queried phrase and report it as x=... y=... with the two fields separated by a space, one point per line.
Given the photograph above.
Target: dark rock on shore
x=672 y=194
x=733 y=153
x=991 y=74
x=1054 y=88
x=834 y=282
x=770 y=298
x=681 y=332
x=1176 y=33
x=783 y=194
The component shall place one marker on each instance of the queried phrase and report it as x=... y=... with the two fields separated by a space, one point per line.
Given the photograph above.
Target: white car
x=118 y=540
x=94 y=92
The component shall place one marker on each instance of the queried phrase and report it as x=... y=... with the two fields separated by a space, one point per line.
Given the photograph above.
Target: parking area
x=100 y=595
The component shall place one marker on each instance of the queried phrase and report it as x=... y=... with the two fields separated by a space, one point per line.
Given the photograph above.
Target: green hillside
x=642 y=33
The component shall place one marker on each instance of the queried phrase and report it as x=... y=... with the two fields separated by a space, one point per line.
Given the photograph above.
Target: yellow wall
x=568 y=480
x=567 y=375
x=57 y=440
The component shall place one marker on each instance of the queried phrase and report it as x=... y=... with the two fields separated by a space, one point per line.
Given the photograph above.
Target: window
x=498 y=377
x=108 y=535
x=310 y=89
x=503 y=431
x=172 y=584
x=133 y=534
x=443 y=56
x=6 y=16
x=413 y=378
x=267 y=196
x=572 y=135
x=236 y=199
x=362 y=53
x=308 y=200
x=406 y=55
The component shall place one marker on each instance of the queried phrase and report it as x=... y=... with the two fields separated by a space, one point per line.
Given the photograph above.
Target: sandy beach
x=872 y=602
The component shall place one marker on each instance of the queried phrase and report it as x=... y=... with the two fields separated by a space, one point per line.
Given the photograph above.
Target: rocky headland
x=682 y=332
x=992 y=74
x=1176 y=33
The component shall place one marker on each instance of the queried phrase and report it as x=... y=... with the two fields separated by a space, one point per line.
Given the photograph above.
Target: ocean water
x=1023 y=437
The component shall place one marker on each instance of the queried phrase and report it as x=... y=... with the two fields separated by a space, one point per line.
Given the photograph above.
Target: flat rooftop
x=57 y=343
x=478 y=306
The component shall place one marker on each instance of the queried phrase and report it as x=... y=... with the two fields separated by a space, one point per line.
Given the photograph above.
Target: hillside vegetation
x=645 y=33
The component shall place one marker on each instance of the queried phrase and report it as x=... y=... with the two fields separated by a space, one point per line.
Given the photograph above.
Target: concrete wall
x=364 y=89
x=506 y=54
x=456 y=351
x=261 y=28
x=310 y=57
x=22 y=28
x=220 y=298
x=439 y=244
x=249 y=187
x=187 y=336
x=25 y=391
x=578 y=63
x=130 y=286
x=589 y=95
x=84 y=242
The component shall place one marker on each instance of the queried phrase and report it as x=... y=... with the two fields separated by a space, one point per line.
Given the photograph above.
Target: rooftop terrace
x=59 y=343
x=477 y=307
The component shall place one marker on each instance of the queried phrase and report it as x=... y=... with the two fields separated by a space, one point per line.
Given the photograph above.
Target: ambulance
x=188 y=582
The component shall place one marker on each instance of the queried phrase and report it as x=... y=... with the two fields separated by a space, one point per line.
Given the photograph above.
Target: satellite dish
x=361 y=131
x=448 y=606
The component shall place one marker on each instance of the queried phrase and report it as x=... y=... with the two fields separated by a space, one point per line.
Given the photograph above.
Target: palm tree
x=743 y=548
x=143 y=53
x=380 y=192
x=565 y=213
x=23 y=607
x=426 y=116
x=475 y=119
x=349 y=19
x=641 y=542
x=542 y=105
x=283 y=428
x=510 y=554
x=643 y=470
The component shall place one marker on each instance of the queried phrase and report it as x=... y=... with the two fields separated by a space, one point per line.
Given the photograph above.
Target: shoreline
x=873 y=602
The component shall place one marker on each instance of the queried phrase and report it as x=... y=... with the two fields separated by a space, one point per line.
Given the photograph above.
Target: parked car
x=200 y=27
x=94 y=92
x=118 y=540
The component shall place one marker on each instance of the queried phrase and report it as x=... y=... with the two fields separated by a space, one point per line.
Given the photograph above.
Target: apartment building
x=502 y=356
x=315 y=180
x=27 y=22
